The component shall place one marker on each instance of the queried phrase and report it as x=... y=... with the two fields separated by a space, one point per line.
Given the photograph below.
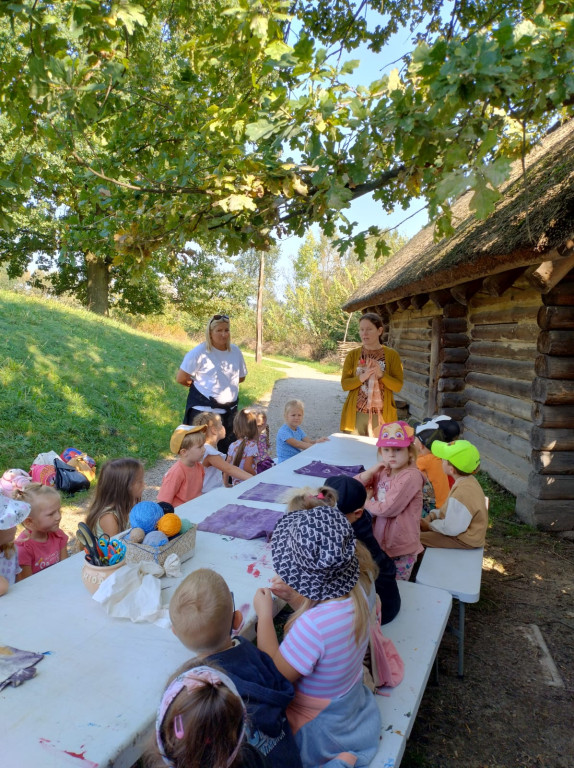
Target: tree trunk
x=259 y=344
x=98 y=274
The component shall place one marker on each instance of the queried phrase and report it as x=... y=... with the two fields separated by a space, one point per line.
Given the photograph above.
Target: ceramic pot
x=93 y=575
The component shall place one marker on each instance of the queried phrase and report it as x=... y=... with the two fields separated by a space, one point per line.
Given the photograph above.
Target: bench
x=458 y=571
x=416 y=631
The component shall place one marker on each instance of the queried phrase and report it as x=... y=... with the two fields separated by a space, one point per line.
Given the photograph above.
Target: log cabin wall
x=549 y=500
x=503 y=334
x=411 y=334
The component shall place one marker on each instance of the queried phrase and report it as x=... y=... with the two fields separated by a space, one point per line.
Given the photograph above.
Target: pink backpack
x=382 y=660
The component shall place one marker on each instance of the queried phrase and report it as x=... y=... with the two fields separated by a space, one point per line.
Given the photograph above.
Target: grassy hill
x=71 y=378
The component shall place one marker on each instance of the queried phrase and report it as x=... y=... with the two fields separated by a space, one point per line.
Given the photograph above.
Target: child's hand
x=263 y=603
x=322 y=440
x=281 y=590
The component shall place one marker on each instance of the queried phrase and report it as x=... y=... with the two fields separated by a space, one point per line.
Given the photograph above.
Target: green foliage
x=69 y=378
x=197 y=121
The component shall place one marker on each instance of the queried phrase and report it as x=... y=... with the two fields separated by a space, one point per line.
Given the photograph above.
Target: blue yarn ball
x=155 y=539
x=145 y=515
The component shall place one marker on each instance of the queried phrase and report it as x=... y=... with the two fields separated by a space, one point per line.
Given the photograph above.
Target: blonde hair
x=291 y=404
x=31 y=493
x=193 y=440
x=245 y=428
x=201 y=611
x=308 y=498
x=207 y=419
x=211 y=322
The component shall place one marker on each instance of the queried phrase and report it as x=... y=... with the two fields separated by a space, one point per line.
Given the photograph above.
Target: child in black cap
x=351 y=497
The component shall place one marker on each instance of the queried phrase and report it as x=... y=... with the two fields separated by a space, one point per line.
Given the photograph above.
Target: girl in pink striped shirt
x=333 y=716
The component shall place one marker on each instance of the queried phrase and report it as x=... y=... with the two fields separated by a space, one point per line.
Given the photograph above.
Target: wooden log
x=455 y=413
x=404 y=303
x=412 y=322
x=414 y=333
x=416 y=344
x=510 y=387
x=464 y=292
x=453 y=309
x=458 y=355
x=498 y=436
x=440 y=298
x=554 y=367
x=550 y=272
x=414 y=365
x=392 y=307
x=496 y=332
x=509 y=351
x=420 y=300
x=513 y=406
x=450 y=400
x=548 y=515
x=410 y=390
x=553 y=391
x=453 y=340
x=559 y=343
x=551 y=486
x=496 y=285
x=553 y=462
x=555 y=318
x=451 y=385
x=512 y=424
x=552 y=439
x=562 y=295
x=514 y=484
x=515 y=369
x=433 y=365
x=488 y=450
x=415 y=354
x=421 y=380
x=507 y=313
x=446 y=370
x=561 y=416
x=454 y=325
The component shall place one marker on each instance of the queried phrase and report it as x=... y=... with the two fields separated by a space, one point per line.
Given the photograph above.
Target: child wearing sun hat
x=333 y=716
x=12 y=513
x=184 y=480
x=462 y=520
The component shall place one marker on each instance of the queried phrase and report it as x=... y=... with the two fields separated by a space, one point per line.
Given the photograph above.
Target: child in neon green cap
x=462 y=520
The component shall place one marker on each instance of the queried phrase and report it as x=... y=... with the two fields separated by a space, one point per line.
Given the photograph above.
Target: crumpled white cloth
x=46 y=458
x=134 y=591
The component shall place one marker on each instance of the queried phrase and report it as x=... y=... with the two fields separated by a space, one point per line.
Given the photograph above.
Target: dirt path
x=507 y=712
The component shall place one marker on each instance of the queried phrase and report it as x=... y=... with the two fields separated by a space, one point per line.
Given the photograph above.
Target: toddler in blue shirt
x=291 y=439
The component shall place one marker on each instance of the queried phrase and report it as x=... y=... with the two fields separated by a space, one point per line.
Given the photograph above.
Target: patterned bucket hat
x=314 y=553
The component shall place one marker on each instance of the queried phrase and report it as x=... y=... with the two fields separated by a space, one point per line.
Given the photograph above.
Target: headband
x=194 y=678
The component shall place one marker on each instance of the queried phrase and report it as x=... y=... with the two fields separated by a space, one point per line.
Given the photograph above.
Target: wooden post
x=259 y=342
x=434 y=366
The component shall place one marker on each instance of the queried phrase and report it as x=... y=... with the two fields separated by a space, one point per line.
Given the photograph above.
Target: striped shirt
x=321 y=647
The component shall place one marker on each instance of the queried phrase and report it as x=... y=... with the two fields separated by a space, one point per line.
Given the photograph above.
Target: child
x=214 y=462
x=264 y=460
x=12 y=513
x=333 y=715
x=431 y=466
x=42 y=544
x=119 y=488
x=462 y=521
x=184 y=480
x=203 y=617
x=351 y=498
x=201 y=721
x=291 y=439
x=244 y=451
x=397 y=496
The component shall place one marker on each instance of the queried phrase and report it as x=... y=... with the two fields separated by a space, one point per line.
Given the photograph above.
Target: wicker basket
x=183 y=546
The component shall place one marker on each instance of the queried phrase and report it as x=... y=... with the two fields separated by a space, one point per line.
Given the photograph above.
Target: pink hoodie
x=397 y=516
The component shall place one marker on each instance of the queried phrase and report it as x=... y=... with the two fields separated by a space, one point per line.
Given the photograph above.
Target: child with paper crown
x=462 y=520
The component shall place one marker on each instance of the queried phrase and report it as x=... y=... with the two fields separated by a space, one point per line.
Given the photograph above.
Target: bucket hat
x=314 y=553
x=12 y=512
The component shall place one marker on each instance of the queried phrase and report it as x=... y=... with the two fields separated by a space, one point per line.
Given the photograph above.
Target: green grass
x=71 y=378
x=318 y=366
x=501 y=509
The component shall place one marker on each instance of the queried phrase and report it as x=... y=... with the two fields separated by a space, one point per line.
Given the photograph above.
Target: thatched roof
x=526 y=224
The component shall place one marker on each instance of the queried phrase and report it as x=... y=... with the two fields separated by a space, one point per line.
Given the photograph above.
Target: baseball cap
x=180 y=432
x=395 y=434
x=461 y=454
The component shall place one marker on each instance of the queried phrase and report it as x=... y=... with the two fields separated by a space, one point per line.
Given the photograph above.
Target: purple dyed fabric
x=242 y=522
x=17 y=666
x=318 y=469
x=266 y=492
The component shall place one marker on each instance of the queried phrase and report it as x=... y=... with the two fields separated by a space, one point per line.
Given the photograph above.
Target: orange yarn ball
x=169 y=524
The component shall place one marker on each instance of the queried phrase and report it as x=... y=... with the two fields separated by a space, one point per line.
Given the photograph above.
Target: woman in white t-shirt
x=213 y=371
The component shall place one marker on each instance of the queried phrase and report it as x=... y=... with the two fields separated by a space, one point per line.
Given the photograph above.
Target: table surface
x=459 y=571
x=94 y=698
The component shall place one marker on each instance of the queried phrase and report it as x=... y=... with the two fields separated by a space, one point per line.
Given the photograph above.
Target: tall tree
x=208 y=121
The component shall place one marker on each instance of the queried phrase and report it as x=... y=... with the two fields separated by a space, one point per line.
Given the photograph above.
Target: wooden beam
x=554 y=367
x=548 y=274
x=420 y=300
x=392 y=306
x=546 y=514
x=434 y=365
x=552 y=439
x=560 y=343
x=496 y=285
x=553 y=463
x=562 y=295
x=440 y=298
x=464 y=292
x=404 y=303
x=454 y=310
x=551 y=486
x=553 y=391
x=555 y=318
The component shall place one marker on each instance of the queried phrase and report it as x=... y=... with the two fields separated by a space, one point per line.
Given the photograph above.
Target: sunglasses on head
x=219 y=317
